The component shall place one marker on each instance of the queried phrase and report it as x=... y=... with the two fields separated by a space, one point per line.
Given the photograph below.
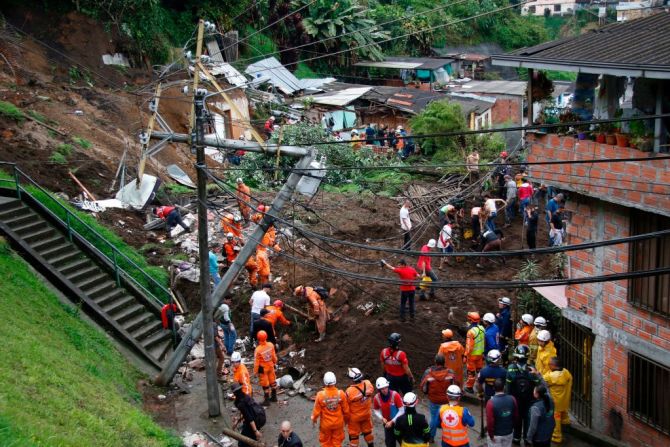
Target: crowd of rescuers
x=513 y=369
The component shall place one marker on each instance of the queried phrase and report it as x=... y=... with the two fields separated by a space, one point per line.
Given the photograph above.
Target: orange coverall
x=228 y=225
x=359 y=396
x=241 y=376
x=229 y=251
x=522 y=336
x=332 y=407
x=317 y=309
x=243 y=195
x=276 y=315
x=453 y=359
x=265 y=359
x=252 y=269
x=263 y=262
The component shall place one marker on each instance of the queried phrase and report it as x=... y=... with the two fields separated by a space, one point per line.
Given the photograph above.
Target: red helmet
x=261 y=208
x=503 y=154
x=262 y=336
x=278 y=303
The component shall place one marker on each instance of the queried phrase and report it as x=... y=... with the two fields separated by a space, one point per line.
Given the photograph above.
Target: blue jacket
x=487 y=378
x=504 y=322
x=491 y=338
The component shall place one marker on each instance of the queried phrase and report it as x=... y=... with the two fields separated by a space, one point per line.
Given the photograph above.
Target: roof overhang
x=390 y=64
x=613 y=69
x=340 y=98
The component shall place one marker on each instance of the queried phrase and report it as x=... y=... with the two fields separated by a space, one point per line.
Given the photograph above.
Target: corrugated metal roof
x=408 y=63
x=341 y=97
x=276 y=73
x=636 y=45
x=231 y=74
x=514 y=88
x=315 y=84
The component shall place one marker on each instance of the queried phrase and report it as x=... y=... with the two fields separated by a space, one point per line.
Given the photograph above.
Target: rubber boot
x=273 y=398
x=266 y=401
x=322 y=337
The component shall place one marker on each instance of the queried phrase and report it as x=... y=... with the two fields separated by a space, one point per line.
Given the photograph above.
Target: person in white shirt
x=406 y=224
x=491 y=212
x=445 y=244
x=258 y=301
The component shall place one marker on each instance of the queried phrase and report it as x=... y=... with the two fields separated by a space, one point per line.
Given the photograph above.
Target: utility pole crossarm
x=249 y=146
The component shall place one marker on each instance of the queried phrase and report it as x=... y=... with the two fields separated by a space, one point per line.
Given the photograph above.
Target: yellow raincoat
x=532 y=344
x=560 y=387
x=544 y=354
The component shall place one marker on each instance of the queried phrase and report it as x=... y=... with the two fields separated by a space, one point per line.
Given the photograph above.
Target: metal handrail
x=69 y=215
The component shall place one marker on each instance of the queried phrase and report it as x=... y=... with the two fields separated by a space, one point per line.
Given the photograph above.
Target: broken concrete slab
x=115 y=59
x=138 y=198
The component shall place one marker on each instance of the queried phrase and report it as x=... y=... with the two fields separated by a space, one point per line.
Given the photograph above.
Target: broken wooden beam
x=298 y=311
x=83 y=188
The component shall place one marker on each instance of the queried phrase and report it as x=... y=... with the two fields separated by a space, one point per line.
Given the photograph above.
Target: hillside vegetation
x=63 y=383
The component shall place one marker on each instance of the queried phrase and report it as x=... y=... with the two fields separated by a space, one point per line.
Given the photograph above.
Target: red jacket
x=163 y=211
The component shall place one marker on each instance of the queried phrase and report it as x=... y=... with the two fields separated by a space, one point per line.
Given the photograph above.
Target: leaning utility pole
x=213 y=402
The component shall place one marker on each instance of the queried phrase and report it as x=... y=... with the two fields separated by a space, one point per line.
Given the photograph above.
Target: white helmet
x=493 y=356
x=544 y=335
x=432 y=243
x=490 y=318
x=239 y=180
x=236 y=357
x=540 y=321
x=355 y=374
x=237 y=218
x=409 y=399
x=504 y=300
x=454 y=392
x=527 y=318
x=329 y=378
x=230 y=235
x=382 y=383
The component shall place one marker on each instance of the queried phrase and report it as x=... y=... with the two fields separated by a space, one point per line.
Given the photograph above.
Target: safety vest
x=479 y=344
x=453 y=431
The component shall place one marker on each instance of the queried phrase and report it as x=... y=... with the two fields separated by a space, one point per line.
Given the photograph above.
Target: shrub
x=59 y=158
x=65 y=149
x=10 y=111
x=82 y=142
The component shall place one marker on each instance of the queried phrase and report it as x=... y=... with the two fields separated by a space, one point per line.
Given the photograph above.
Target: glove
x=260 y=370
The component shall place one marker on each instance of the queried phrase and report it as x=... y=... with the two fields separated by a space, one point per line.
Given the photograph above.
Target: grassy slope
x=63 y=383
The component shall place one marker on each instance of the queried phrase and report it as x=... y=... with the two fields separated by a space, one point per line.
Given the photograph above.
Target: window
x=531 y=9
x=652 y=292
x=649 y=392
x=557 y=8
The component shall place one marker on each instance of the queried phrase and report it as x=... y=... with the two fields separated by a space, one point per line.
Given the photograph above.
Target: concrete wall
x=619 y=327
x=537 y=7
x=640 y=184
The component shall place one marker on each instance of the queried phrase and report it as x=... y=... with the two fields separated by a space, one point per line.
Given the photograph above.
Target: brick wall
x=591 y=220
x=642 y=184
x=507 y=109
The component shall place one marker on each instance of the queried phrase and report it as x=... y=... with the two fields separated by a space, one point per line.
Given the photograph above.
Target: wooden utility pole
x=145 y=144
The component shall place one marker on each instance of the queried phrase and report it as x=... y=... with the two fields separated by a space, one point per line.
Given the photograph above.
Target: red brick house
x=615 y=336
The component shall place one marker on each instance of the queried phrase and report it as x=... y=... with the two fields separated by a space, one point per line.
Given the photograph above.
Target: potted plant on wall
x=640 y=137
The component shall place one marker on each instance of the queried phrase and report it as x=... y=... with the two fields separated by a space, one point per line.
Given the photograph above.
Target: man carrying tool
x=411 y=429
x=230 y=249
x=453 y=352
x=252 y=415
x=265 y=360
x=243 y=194
x=395 y=366
x=317 y=309
x=388 y=406
x=434 y=384
x=276 y=314
x=474 y=350
x=172 y=218
x=241 y=373
x=492 y=241
x=407 y=288
x=332 y=407
x=423 y=266
x=359 y=395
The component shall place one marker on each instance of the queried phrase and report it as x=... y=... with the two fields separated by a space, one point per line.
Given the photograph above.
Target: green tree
x=439 y=117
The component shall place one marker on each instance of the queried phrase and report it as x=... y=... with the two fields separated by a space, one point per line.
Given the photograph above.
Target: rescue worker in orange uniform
x=265 y=359
x=252 y=268
x=263 y=263
x=474 y=350
x=359 y=395
x=317 y=308
x=232 y=224
x=276 y=314
x=241 y=373
x=455 y=420
x=523 y=330
x=453 y=352
x=230 y=248
x=243 y=195
x=332 y=408
x=269 y=239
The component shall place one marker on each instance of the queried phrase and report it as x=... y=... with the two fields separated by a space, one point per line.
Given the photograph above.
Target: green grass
x=82 y=142
x=302 y=71
x=57 y=157
x=65 y=149
x=63 y=383
x=37 y=116
x=104 y=242
x=10 y=111
x=177 y=189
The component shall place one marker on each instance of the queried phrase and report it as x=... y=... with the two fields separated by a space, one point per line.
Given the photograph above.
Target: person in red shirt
x=525 y=192
x=423 y=266
x=387 y=406
x=396 y=366
x=269 y=126
x=171 y=216
x=407 y=289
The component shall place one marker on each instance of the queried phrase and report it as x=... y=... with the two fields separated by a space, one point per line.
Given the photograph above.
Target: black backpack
x=522 y=385
x=259 y=414
x=323 y=292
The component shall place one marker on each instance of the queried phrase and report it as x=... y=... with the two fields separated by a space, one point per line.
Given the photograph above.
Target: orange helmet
x=447 y=333
x=474 y=317
x=278 y=303
x=262 y=336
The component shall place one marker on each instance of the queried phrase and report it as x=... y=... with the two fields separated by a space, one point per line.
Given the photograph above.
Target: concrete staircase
x=132 y=318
